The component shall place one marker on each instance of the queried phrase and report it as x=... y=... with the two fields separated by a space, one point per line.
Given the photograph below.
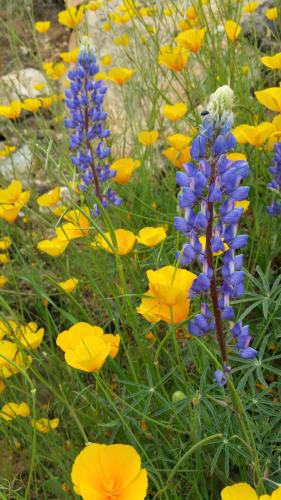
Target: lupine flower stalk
x=84 y=100
x=275 y=185
x=210 y=188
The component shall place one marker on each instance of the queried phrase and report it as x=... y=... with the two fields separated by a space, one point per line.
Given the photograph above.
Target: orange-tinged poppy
x=3 y=281
x=12 y=200
x=11 y=359
x=120 y=75
x=125 y=241
x=12 y=194
x=124 y=168
x=191 y=39
x=12 y=410
x=202 y=240
x=5 y=243
x=254 y=135
x=31 y=105
x=167 y=296
x=106 y=27
x=7 y=150
x=106 y=60
x=147 y=12
x=12 y=111
x=71 y=17
x=151 y=236
x=86 y=347
x=273 y=62
x=270 y=98
x=42 y=26
x=93 y=5
x=29 y=335
x=243 y=491
x=70 y=231
x=39 y=86
x=69 y=285
x=174 y=58
x=123 y=40
x=53 y=247
x=232 y=30
x=168 y=12
x=276 y=134
x=179 y=141
x=7 y=327
x=4 y=258
x=250 y=7
x=70 y=56
x=236 y=156
x=109 y=471
x=174 y=112
x=47 y=102
x=120 y=19
x=243 y=204
x=77 y=227
x=54 y=71
x=45 y=425
x=148 y=137
x=116 y=75
x=50 y=198
x=178 y=158
x=271 y=14
x=191 y=13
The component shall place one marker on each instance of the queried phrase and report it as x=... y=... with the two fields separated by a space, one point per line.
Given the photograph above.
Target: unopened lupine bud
x=221 y=104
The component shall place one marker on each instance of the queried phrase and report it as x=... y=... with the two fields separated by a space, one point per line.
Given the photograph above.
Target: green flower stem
x=63 y=400
x=246 y=430
x=243 y=421
x=110 y=401
x=33 y=444
x=186 y=455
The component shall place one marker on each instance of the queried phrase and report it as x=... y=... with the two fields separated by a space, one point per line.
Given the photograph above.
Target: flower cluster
x=84 y=100
x=210 y=190
x=275 y=184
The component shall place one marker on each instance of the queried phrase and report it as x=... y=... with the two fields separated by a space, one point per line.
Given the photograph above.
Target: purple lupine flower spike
x=84 y=100
x=210 y=188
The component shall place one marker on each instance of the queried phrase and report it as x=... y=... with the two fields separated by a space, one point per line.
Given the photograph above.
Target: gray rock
x=266 y=31
x=20 y=85
x=17 y=165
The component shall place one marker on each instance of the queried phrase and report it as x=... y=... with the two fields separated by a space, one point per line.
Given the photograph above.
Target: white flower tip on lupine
x=221 y=103
x=86 y=45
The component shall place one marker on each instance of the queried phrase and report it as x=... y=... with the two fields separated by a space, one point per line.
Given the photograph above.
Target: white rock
x=17 y=165
x=18 y=85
